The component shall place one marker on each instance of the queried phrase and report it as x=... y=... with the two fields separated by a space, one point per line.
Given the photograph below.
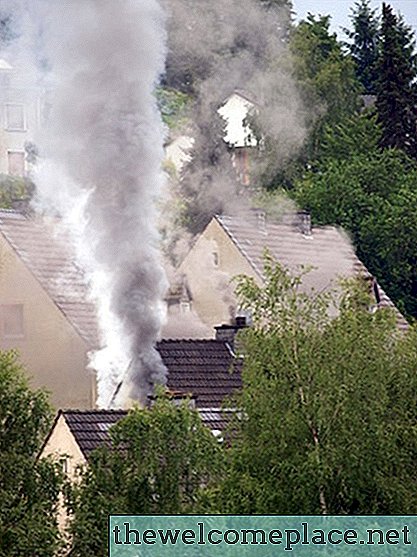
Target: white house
x=239 y=136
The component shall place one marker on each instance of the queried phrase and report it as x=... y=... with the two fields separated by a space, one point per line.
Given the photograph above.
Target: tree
x=364 y=44
x=14 y=188
x=327 y=406
x=163 y=460
x=396 y=89
x=29 y=487
x=326 y=79
x=362 y=187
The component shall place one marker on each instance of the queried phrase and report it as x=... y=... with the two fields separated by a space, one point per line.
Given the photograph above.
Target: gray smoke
x=215 y=48
x=102 y=151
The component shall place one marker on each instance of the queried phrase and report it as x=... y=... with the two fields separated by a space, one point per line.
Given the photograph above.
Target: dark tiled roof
x=90 y=428
x=205 y=368
x=327 y=251
x=50 y=258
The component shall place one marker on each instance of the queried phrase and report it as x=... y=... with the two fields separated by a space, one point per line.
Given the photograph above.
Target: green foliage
x=325 y=74
x=363 y=188
x=396 y=86
x=28 y=488
x=14 y=188
x=163 y=461
x=173 y=106
x=364 y=44
x=329 y=418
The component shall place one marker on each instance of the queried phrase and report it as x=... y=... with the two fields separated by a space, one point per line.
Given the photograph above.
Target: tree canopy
x=364 y=45
x=29 y=487
x=327 y=403
x=362 y=187
x=396 y=85
x=163 y=460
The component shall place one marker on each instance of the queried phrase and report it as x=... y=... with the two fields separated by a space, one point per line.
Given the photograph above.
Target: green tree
x=14 y=188
x=396 y=87
x=163 y=460
x=328 y=405
x=363 y=188
x=326 y=78
x=29 y=487
x=364 y=44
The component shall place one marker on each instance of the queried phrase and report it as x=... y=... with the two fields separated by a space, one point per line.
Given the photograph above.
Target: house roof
x=204 y=368
x=327 y=251
x=90 y=428
x=49 y=257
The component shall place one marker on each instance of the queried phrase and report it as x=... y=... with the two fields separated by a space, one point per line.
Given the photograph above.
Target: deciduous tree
x=29 y=487
x=327 y=412
x=163 y=460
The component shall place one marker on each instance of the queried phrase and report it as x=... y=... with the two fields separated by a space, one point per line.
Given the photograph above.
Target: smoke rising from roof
x=102 y=150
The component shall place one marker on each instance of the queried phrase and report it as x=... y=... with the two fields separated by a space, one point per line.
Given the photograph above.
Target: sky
x=340 y=10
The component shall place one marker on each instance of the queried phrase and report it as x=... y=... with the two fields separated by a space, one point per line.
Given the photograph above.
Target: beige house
x=44 y=310
x=230 y=246
x=21 y=113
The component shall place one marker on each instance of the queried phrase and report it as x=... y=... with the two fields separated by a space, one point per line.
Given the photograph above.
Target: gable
x=48 y=257
x=61 y=443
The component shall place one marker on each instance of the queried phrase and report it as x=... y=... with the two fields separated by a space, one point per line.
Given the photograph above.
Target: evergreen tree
x=396 y=89
x=364 y=45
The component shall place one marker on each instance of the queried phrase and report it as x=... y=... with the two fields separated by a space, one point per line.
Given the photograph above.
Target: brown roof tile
x=206 y=369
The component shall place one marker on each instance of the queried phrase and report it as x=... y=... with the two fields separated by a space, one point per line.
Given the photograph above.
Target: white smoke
x=102 y=149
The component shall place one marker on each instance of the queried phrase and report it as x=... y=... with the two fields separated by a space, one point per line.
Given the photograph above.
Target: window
x=16 y=163
x=11 y=318
x=215 y=258
x=65 y=465
x=185 y=307
x=14 y=117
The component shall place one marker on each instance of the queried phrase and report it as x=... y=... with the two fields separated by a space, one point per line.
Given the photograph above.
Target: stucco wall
x=53 y=353
x=61 y=445
x=210 y=284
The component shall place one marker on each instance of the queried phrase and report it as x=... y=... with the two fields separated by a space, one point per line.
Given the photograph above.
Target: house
x=178 y=152
x=44 y=309
x=239 y=136
x=233 y=245
x=206 y=370
x=21 y=110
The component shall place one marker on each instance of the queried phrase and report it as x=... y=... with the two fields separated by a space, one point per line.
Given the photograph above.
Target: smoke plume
x=101 y=152
x=215 y=48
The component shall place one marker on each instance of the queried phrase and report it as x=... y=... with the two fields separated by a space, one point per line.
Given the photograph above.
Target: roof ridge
x=93 y=411
x=190 y=340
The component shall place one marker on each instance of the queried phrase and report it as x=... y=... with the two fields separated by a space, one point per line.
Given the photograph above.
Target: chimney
x=260 y=218
x=304 y=222
x=227 y=333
